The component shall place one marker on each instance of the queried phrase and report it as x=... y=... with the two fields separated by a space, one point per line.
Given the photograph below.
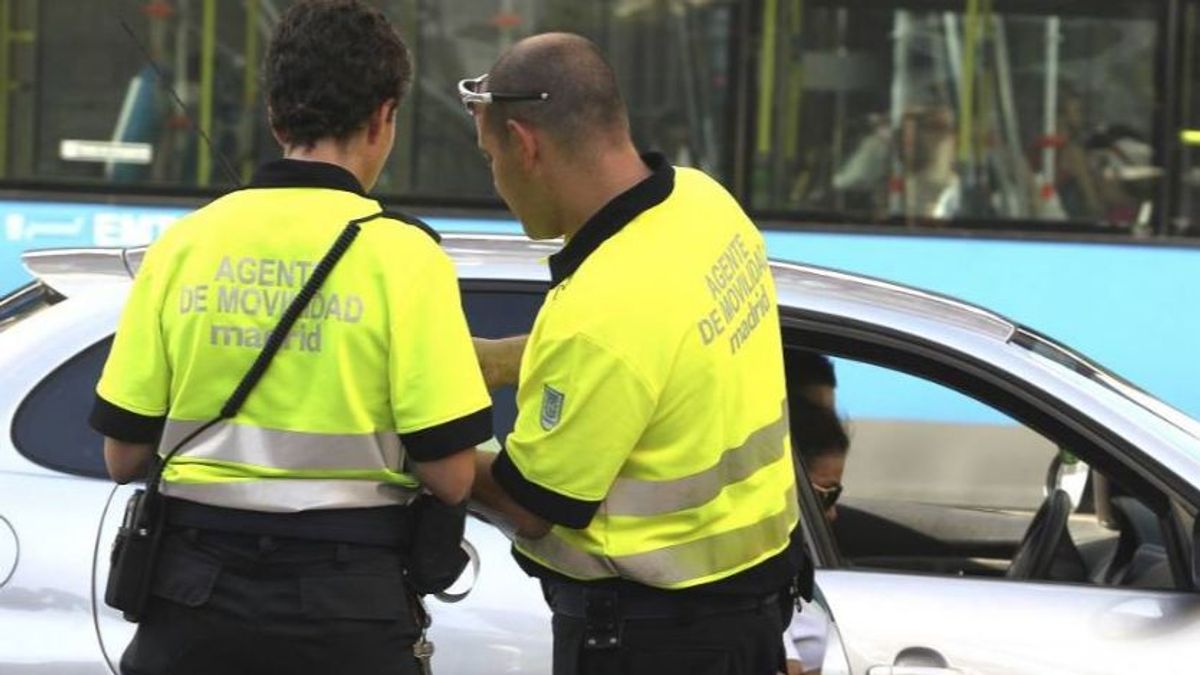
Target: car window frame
x=971 y=376
x=894 y=350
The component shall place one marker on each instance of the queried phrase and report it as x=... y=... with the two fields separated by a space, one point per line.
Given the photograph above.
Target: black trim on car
x=469 y=285
x=22 y=297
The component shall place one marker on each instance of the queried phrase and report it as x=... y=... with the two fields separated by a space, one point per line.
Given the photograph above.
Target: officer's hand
x=127 y=461
x=500 y=360
x=794 y=667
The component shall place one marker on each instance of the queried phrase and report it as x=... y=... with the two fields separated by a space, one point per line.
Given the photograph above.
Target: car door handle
x=916 y=661
x=912 y=670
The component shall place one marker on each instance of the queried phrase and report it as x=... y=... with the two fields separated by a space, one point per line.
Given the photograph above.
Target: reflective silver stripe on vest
x=672 y=566
x=289 y=450
x=291 y=495
x=563 y=557
x=640 y=497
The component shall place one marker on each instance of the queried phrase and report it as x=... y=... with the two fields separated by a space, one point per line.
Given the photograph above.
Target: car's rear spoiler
x=70 y=270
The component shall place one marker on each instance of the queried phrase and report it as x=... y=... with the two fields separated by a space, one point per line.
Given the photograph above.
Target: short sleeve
x=133 y=394
x=440 y=403
x=580 y=411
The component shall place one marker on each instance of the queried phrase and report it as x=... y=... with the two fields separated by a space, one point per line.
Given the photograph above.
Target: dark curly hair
x=808 y=368
x=331 y=63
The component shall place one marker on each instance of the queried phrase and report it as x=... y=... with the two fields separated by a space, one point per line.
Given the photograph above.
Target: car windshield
x=1063 y=356
x=25 y=302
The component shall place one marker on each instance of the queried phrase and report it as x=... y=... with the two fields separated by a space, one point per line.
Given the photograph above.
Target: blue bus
x=1039 y=158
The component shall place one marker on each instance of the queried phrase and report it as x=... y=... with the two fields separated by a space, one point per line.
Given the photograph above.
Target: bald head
x=584 y=104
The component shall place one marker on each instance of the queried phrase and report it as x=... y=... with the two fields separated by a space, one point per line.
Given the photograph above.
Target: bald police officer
x=648 y=473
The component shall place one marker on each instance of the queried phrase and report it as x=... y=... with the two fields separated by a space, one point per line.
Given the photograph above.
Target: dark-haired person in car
x=820 y=444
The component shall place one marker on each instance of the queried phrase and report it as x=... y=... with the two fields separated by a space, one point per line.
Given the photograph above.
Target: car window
x=51 y=428
x=938 y=482
x=494 y=314
x=918 y=441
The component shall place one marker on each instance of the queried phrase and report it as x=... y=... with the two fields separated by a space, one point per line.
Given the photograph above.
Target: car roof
x=804 y=292
x=515 y=258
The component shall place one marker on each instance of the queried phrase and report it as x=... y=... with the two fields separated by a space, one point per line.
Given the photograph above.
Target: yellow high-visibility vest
x=652 y=425
x=378 y=367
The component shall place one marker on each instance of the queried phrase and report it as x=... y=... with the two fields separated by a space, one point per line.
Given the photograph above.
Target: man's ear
x=279 y=138
x=283 y=142
x=528 y=145
x=379 y=120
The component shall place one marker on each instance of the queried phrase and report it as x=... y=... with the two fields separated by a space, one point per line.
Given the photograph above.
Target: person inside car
x=820 y=444
x=810 y=376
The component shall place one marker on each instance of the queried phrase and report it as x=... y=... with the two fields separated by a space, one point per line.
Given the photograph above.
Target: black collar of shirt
x=613 y=216
x=293 y=173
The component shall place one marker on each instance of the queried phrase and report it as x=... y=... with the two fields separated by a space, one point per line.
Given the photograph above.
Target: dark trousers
x=242 y=604
x=708 y=642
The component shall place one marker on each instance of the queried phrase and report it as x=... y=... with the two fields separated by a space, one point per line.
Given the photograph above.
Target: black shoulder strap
x=415 y=222
x=274 y=342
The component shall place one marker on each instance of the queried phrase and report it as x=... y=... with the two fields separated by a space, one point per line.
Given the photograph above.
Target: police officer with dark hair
x=648 y=472
x=290 y=527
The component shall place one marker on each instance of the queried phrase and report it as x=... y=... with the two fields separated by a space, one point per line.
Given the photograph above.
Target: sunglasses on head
x=471 y=92
x=828 y=495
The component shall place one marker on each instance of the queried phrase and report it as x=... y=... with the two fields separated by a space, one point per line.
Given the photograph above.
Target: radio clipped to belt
x=135 y=549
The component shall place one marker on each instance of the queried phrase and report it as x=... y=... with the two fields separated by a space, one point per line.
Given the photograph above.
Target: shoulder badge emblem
x=552 y=405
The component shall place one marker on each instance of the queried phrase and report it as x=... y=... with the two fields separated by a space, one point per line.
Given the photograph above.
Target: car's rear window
x=51 y=424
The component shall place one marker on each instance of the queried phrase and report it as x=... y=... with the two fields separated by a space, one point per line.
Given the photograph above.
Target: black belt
x=389 y=526
x=604 y=611
x=582 y=602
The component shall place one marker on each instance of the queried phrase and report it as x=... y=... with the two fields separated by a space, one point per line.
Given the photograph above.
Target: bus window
x=985 y=114
x=883 y=112
x=1187 y=220
x=671 y=60
x=96 y=94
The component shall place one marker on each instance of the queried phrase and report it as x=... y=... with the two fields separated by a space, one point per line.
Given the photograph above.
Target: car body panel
x=997 y=626
x=51 y=613
x=46 y=605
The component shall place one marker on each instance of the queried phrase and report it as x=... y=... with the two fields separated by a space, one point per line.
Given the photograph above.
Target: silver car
x=1009 y=506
